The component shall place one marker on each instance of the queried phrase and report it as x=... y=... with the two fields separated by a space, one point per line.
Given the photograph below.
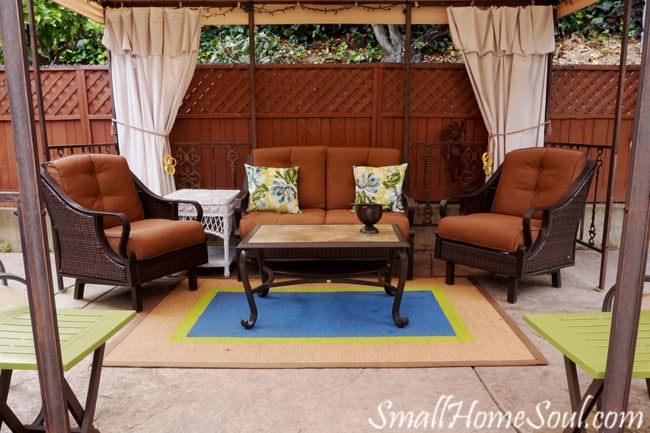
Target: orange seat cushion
x=346 y=216
x=251 y=219
x=155 y=236
x=98 y=182
x=489 y=230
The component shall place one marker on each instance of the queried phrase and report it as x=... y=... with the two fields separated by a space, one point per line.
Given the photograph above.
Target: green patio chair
x=583 y=339
x=82 y=332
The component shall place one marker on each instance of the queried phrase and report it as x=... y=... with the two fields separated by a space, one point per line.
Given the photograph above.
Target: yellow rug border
x=502 y=343
x=462 y=333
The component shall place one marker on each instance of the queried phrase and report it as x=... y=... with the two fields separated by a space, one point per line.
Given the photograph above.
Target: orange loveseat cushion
x=251 y=219
x=346 y=216
x=340 y=178
x=156 y=236
x=535 y=177
x=98 y=182
x=496 y=231
x=311 y=170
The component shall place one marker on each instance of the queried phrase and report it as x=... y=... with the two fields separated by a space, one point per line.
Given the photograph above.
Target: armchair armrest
x=240 y=204
x=477 y=201
x=156 y=206
x=526 y=226
x=124 y=236
x=198 y=208
x=561 y=215
x=409 y=208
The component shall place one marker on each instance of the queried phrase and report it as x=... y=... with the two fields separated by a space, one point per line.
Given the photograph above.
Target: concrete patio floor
x=335 y=400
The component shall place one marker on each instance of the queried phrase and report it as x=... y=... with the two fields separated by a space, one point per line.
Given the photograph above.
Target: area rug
x=324 y=326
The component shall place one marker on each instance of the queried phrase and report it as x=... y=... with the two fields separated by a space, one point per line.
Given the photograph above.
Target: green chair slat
x=81 y=332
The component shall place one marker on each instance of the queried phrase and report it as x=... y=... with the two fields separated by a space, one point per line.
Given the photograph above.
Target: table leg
x=387 y=277
x=83 y=415
x=226 y=246
x=93 y=391
x=581 y=405
x=399 y=290
x=243 y=273
x=6 y=414
x=266 y=275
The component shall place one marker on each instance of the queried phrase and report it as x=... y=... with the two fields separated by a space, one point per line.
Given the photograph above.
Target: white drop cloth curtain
x=505 y=50
x=153 y=57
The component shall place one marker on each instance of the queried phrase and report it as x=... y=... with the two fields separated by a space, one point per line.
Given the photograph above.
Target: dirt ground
x=578 y=51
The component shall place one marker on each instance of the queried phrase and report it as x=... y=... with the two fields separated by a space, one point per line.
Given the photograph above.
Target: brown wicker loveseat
x=523 y=221
x=326 y=188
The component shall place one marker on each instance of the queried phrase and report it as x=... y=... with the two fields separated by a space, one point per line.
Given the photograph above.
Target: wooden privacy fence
x=334 y=105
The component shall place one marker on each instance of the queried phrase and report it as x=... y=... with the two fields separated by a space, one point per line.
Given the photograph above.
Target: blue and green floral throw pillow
x=272 y=189
x=380 y=185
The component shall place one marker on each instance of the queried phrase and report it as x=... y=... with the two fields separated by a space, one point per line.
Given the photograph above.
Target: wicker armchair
x=108 y=228
x=523 y=221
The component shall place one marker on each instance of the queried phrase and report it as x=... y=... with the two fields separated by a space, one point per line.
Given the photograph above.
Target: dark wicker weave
x=82 y=252
x=553 y=249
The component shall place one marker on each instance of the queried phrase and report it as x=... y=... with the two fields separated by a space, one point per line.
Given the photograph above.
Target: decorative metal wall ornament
x=188 y=175
x=232 y=156
x=427 y=211
x=591 y=241
x=470 y=174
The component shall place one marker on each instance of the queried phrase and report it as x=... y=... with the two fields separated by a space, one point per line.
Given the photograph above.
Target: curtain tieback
x=487 y=157
x=168 y=161
x=137 y=128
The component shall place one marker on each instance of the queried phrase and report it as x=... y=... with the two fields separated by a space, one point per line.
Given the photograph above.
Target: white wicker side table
x=217 y=220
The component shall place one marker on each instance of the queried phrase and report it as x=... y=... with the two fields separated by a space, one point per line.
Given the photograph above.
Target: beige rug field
x=490 y=338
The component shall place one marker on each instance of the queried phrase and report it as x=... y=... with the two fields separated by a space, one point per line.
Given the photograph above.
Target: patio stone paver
x=336 y=400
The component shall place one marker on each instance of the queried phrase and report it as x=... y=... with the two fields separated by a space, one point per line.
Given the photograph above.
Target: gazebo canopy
x=230 y=12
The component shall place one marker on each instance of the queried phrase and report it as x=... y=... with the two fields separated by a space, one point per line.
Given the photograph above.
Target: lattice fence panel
x=218 y=91
x=4 y=95
x=60 y=93
x=310 y=90
x=630 y=91
x=98 y=86
x=326 y=104
x=445 y=91
x=591 y=92
x=392 y=90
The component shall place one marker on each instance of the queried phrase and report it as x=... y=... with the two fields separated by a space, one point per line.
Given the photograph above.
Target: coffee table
x=324 y=253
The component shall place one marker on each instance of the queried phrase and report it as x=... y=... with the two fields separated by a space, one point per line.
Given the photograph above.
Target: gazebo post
x=38 y=89
x=252 y=82
x=620 y=96
x=407 y=83
x=35 y=251
x=632 y=255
